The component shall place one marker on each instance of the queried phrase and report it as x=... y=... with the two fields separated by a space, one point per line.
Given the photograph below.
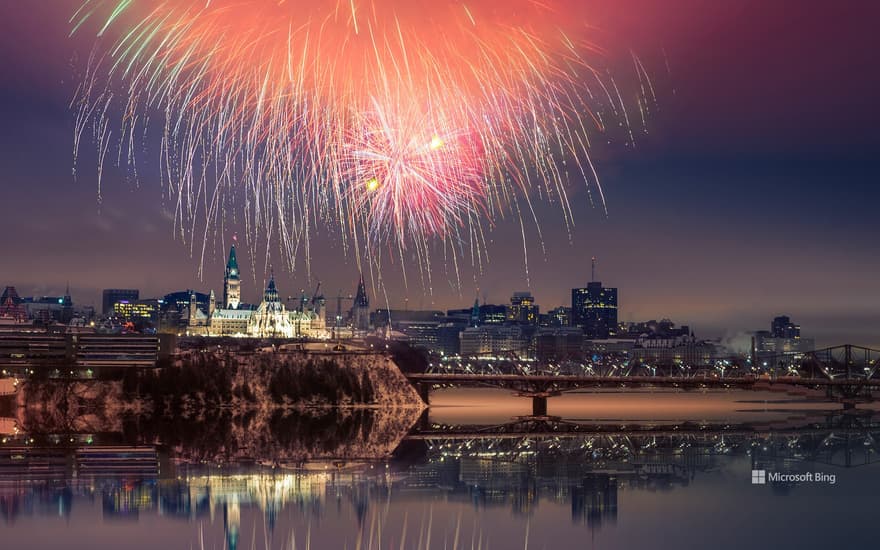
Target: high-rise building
x=782 y=327
x=522 y=309
x=232 y=282
x=480 y=314
x=594 y=309
x=360 y=310
x=783 y=337
x=112 y=295
x=559 y=317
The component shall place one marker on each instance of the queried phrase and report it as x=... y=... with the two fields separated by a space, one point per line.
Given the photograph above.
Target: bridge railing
x=839 y=362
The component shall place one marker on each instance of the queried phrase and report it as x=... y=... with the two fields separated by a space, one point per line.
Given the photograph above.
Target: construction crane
x=299 y=304
x=316 y=296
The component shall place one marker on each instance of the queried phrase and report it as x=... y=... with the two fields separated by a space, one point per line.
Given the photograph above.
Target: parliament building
x=270 y=319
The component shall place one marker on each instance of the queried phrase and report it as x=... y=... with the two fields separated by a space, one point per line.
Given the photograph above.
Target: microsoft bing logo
x=759 y=477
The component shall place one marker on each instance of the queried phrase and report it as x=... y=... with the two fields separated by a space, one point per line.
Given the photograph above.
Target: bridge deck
x=576 y=381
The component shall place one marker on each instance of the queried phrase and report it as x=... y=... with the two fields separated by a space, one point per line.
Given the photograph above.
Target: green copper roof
x=233 y=261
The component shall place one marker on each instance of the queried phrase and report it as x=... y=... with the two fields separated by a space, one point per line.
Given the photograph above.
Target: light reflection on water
x=473 y=476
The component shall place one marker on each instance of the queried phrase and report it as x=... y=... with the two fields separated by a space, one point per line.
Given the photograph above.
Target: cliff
x=281 y=379
x=274 y=408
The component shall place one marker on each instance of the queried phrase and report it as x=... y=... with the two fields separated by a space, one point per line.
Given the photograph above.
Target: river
x=647 y=469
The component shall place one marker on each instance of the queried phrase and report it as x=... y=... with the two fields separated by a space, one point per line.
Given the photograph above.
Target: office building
x=434 y=336
x=480 y=314
x=689 y=353
x=559 y=317
x=782 y=327
x=513 y=341
x=782 y=338
x=594 y=309
x=522 y=309
x=559 y=343
x=113 y=295
x=138 y=312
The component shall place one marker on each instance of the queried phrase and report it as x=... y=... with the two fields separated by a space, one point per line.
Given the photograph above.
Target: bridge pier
x=539 y=405
x=539 y=401
x=424 y=389
x=424 y=421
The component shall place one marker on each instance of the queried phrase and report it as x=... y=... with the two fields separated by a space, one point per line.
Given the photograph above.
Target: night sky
x=754 y=192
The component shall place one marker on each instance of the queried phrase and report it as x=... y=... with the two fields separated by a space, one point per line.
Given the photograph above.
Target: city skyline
x=592 y=311
x=749 y=197
x=393 y=273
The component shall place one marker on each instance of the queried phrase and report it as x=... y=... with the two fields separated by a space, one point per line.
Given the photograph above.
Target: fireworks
x=398 y=124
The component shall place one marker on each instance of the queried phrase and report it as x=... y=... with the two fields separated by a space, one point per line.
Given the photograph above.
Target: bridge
x=846 y=373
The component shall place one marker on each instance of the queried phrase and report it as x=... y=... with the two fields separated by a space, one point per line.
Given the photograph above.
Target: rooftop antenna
x=593 y=274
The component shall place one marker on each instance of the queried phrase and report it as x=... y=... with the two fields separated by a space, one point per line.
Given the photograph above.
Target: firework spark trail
x=395 y=125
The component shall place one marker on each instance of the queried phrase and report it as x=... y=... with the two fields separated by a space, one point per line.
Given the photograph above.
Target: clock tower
x=231 y=282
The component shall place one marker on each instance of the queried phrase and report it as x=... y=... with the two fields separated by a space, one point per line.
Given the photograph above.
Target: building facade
x=270 y=319
x=594 y=309
x=497 y=340
x=111 y=296
x=48 y=309
x=782 y=327
x=559 y=343
x=784 y=337
x=523 y=309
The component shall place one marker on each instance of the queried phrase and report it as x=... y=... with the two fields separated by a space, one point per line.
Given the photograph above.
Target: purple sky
x=753 y=194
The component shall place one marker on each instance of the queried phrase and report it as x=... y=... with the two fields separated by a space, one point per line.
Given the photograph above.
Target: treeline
x=322 y=380
x=167 y=388
x=215 y=381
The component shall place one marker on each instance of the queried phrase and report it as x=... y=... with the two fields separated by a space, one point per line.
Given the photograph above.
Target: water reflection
x=373 y=484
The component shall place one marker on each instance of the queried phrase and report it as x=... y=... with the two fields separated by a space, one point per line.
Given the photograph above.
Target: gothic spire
x=361 y=297
x=271 y=291
x=233 y=261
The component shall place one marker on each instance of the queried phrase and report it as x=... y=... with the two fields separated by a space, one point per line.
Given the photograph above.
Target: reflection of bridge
x=547 y=427
x=841 y=440
x=848 y=373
